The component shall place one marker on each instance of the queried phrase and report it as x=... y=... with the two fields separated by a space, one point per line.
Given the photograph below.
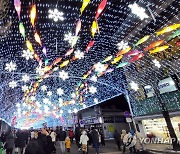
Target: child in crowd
x=68 y=143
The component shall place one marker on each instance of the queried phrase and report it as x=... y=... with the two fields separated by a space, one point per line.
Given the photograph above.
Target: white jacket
x=84 y=138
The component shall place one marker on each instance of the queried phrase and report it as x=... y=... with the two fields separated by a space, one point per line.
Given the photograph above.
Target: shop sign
x=110 y=128
x=93 y=120
x=128 y=120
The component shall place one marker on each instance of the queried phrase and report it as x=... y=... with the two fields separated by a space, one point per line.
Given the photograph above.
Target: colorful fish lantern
x=84 y=4
x=78 y=27
x=158 y=49
x=37 y=38
x=46 y=62
x=36 y=56
x=122 y=64
x=91 y=43
x=176 y=33
x=117 y=59
x=168 y=29
x=29 y=46
x=57 y=60
x=132 y=53
x=123 y=51
x=107 y=59
x=74 y=41
x=44 y=51
x=85 y=76
x=109 y=70
x=69 y=52
x=17 y=4
x=65 y=63
x=33 y=14
x=22 y=29
x=135 y=58
x=155 y=44
x=101 y=7
x=178 y=43
x=145 y=38
x=94 y=28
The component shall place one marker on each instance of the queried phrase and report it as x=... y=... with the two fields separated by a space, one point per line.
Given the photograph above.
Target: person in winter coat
x=123 y=133
x=77 y=137
x=68 y=143
x=9 y=145
x=84 y=141
x=20 y=141
x=117 y=138
x=53 y=136
x=95 y=139
x=139 y=144
x=41 y=140
x=33 y=148
x=61 y=136
x=49 y=145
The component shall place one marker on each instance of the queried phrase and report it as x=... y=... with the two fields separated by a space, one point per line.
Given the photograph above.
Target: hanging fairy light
x=137 y=10
x=56 y=15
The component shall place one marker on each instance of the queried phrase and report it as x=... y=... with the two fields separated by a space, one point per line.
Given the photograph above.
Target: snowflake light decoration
x=24 y=88
x=25 y=78
x=27 y=54
x=10 y=66
x=60 y=91
x=122 y=45
x=96 y=101
x=134 y=86
x=40 y=70
x=56 y=15
x=93 y=78
x=137 y=10
x=156 y=63
x=13 y=84
x=44 y=88
x=99 y=67
x=78 y=54
x=92 y=90
x=63 y=75
x=69 y=38
x=46 y=101
x=49 y=93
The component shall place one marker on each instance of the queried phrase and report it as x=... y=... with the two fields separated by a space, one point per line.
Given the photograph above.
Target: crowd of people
x=45 y=141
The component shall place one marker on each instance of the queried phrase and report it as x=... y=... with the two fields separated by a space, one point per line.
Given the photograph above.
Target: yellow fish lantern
x=33 y=14
x=145 y=38
x=107 y=59
x=85 y=76
x=37 y=38
x=117 y=59
x=22 y=29
x=29 y=46
x=168 y=29
x=65 y=63
x=123 y=51
x=94 y=28
x=158 y=49
x=84 y=4
x=82 y=85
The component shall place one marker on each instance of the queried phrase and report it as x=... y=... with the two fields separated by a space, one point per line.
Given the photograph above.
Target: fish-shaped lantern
x=69 y=52
x=155 y=44
x=94 y=28
x=84 y=4
x=78 y=27
x=142 y=40
x=91 y=43
x=132 y=53
x=37 y=38
x=135 y=58
x=117 y=59
x=122 y=64
x=17 y=4
x=158 y=49
x=168 y=29
x=74 y=41
x=176 y=33
x=123 y=51
x=22 y=29
x=57 y=60
x=101 y=7
x=44 y=51
x=33 y=14
x=65 y=63
x=107 y=59
x=29 y=46
x=36 y=56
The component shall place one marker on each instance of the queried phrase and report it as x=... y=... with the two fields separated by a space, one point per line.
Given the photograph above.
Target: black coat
x=61 y=136
x=20 y=141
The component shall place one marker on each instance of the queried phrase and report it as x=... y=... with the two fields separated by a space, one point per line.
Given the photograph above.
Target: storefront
x=158 y=128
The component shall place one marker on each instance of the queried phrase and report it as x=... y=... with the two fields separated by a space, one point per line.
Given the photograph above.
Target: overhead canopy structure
x=58 y=57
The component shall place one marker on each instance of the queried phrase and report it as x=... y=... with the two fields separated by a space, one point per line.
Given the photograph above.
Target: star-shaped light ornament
x=78 y=54
x=92 y=90
x=24 y=88
x=63 y=75
x=137 y=10
x=99 y=67
x=49 y=93
x=13 y=84
x=134 y=86
x=96 y=101
x=27 y=54
x=56 y=15
x=122 y=45
x=69 y=38
x=60 y=91
x=44 y=88
x=40 y=70
x=10 y=66
x=25 y=78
